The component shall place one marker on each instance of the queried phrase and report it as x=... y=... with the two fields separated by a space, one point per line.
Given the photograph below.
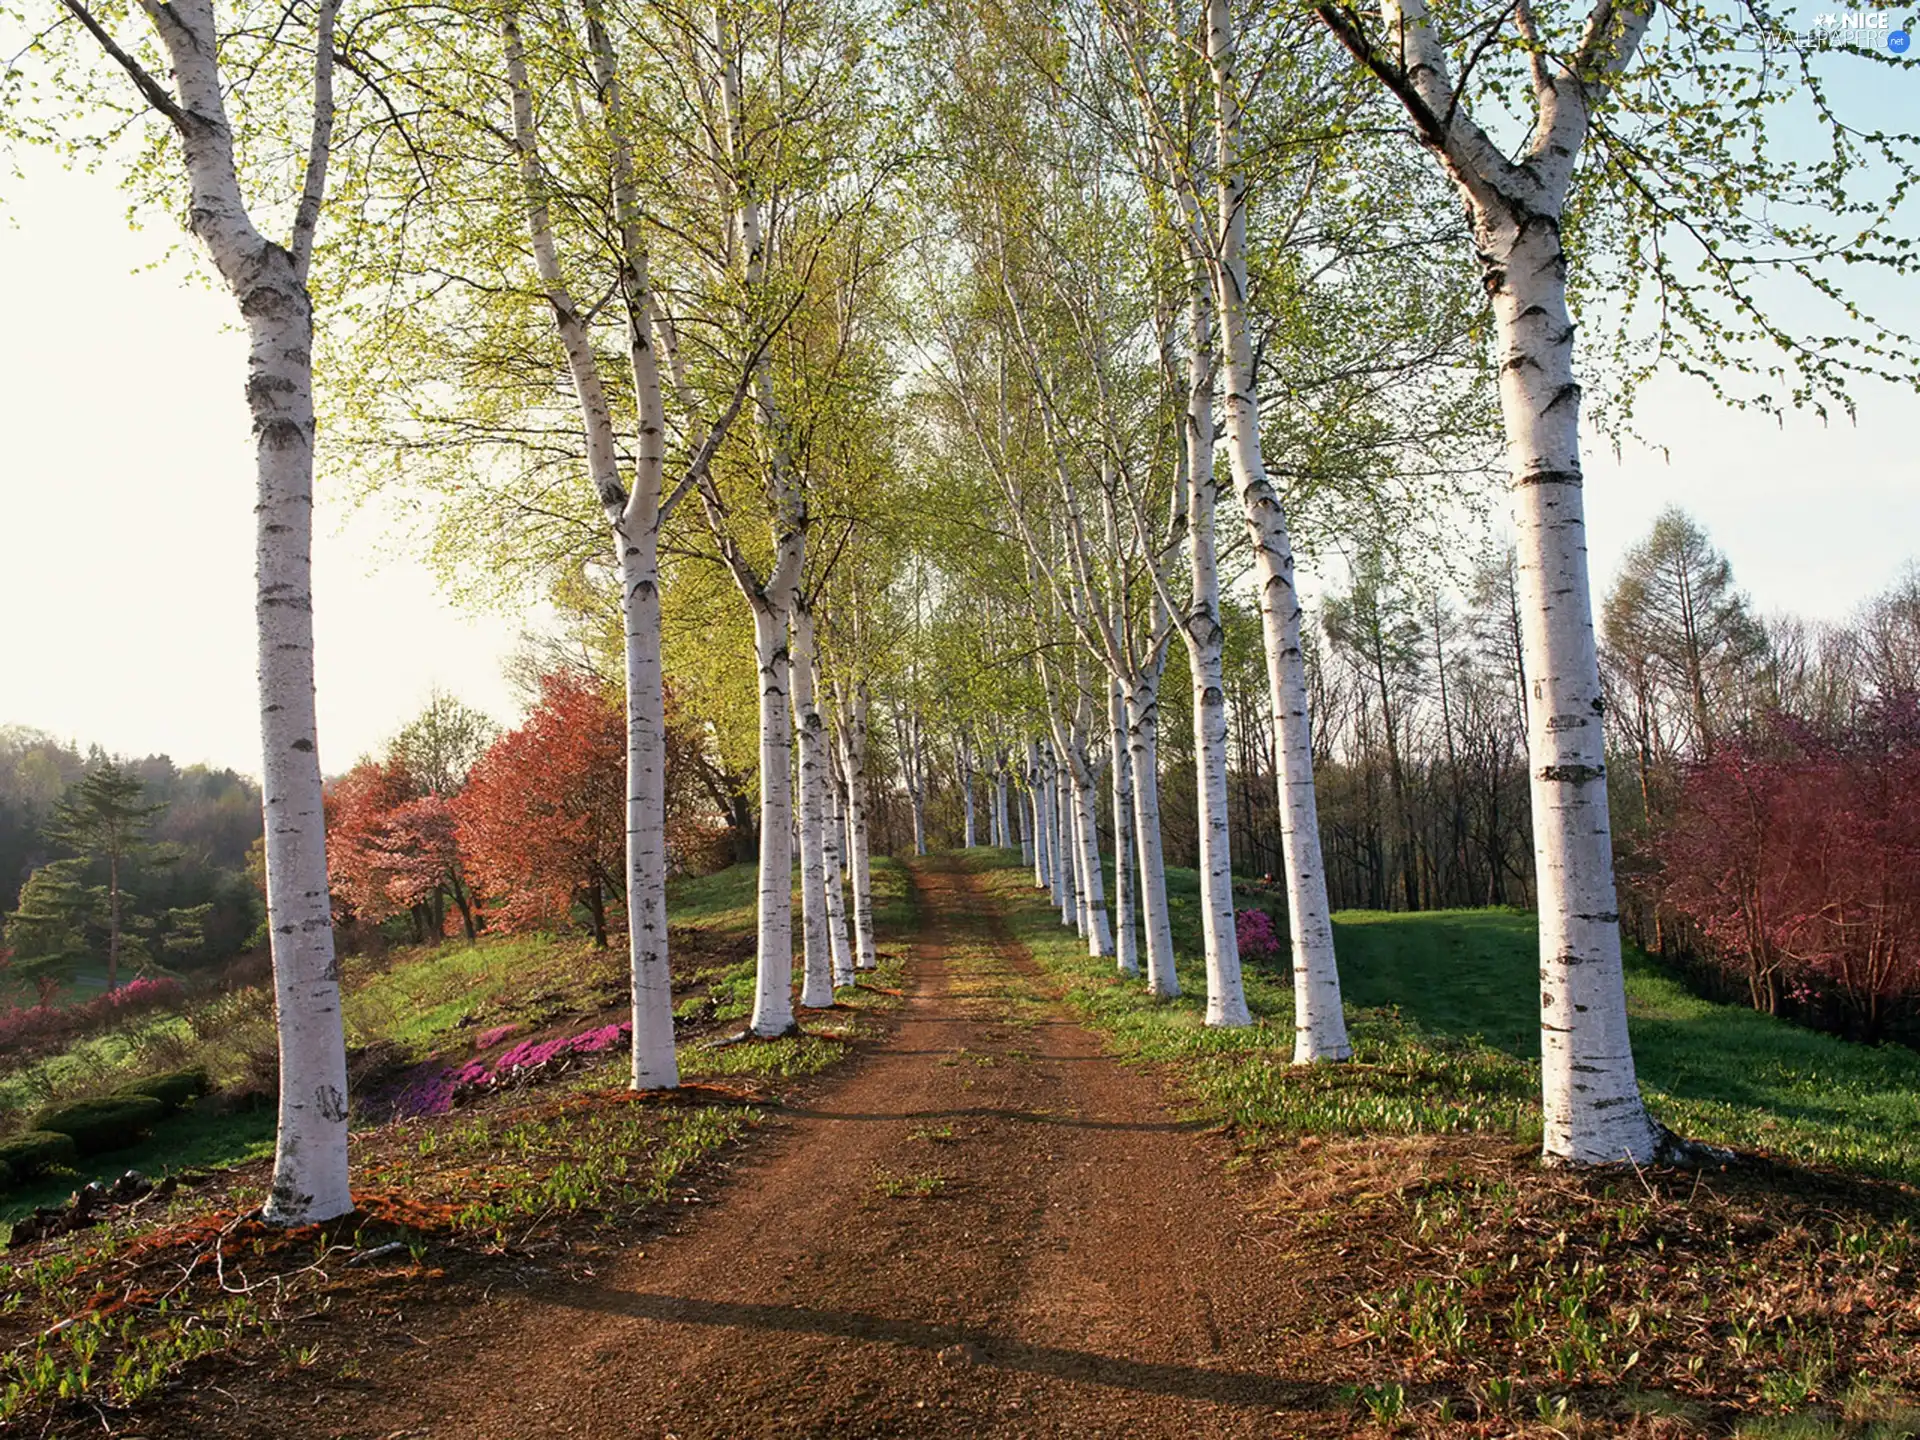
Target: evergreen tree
x=47 y=936
x=104 y=820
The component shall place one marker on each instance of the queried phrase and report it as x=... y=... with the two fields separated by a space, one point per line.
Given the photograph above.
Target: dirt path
x=988 y=1228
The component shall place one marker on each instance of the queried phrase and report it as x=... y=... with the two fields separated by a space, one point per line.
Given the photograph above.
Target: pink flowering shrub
x=435 y=1087
x=487 y=1039
x=42 y=1024
x=1258 y=939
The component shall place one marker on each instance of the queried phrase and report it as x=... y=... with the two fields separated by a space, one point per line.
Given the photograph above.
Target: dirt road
x=986 y=1228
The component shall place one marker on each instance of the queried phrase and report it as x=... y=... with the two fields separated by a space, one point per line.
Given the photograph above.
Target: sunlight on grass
x=1443 y=1011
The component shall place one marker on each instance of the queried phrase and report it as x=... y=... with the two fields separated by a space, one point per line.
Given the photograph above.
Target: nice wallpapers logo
x=1862 y=26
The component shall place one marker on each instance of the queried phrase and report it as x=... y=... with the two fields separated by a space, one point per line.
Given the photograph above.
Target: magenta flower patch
x=487 y=1039
x=1258 y=939
x=434 y=1087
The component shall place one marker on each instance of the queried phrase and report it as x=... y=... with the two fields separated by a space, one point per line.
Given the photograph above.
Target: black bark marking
x=1549 y=477
x=1573 y=774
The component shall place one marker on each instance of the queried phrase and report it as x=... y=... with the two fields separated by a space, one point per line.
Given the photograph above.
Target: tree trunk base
x=745 y=1037
x=1671 y=1151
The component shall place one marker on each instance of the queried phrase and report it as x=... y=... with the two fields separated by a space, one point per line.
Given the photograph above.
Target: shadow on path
x=1232 y=1387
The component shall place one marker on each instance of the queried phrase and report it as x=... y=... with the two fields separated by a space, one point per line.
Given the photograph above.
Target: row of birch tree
x=969 y=361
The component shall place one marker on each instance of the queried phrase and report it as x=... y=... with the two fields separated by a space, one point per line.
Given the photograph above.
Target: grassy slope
x=1459 y=1282
x=561 y=1168
x=415 y=1004
x=1444 y=1004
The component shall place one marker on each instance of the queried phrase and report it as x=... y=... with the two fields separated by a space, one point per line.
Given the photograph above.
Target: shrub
x=1256 y=935
x=41 y=1025
x=112 y=1122
x=175 y=1089
x=6 y=1177
x=33 y=1152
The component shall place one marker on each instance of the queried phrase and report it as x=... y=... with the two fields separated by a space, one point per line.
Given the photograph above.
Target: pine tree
x=47 y=935
x=104 y=819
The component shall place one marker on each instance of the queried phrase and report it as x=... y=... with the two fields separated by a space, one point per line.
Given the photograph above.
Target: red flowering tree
x=1799 y=853
x=543 y=817
x=394 y=851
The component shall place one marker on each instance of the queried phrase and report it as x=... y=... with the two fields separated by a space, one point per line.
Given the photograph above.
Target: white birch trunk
x=1143 y=746
x=1126 y=941
x=1039 y=828
x=1591 y=1099
x=773 y=980
x=636 y=527
x=854 y=711
x=816 y=982
x=771 y=599
x=635 y=520
x=1206 y=641
x=833 y=851
x=1320 y=1031
x=964 y=763
x=652 y=1062
x=1066 y=854
x=1589 y=1089
x=1093 y=899
x=310 y=1174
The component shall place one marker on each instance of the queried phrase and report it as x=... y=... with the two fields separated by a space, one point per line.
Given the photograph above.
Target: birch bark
x=773 y=977
x=1590 y=1093
x=773 y=597
x=816 y=983
x=833 y=857
x=1320 y=1031
x=1066 y=863
x=1205 y=636
x=965 y=764
x=1092 y=884
x=855 y=708
x=1039 y=829
x=269 y=281
x=1143 y=728
x=1126 y=941
x=635 y=520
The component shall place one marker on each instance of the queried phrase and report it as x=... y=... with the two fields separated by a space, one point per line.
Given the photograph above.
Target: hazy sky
x=126 y=495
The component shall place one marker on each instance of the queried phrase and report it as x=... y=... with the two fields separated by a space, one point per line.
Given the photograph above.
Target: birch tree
x=1664 y=120
x=636 y=515
x=178 y=66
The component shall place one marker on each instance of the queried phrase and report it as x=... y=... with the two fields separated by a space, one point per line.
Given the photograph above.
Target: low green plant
x=175 y=1089
x=1387 y=1404
x=112 y=1122
x=34 y=1152
x=918 y=1185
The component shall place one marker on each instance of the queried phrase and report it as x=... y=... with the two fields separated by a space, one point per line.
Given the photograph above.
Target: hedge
x=111 y=1123
x=176 y=1089
x=32 y=1151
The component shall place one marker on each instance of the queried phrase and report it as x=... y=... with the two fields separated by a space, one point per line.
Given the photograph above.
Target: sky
x=126 y=495
x=126 y=514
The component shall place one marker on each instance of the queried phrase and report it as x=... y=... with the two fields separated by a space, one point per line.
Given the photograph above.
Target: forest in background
x=185 y=845
x=1765 y=786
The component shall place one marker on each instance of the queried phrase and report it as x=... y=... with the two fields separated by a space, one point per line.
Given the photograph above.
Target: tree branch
x=150 y=89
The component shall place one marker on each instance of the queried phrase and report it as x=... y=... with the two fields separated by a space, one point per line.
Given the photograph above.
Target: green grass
x=191 y=1141
x=420 y=1002
x=1443 y=1011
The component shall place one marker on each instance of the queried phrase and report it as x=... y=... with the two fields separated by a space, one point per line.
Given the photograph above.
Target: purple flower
x=433 y=1087
x=487 y=1039
x=1254 y=930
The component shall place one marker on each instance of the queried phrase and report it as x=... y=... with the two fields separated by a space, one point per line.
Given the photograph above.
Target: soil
x=986 y=1227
